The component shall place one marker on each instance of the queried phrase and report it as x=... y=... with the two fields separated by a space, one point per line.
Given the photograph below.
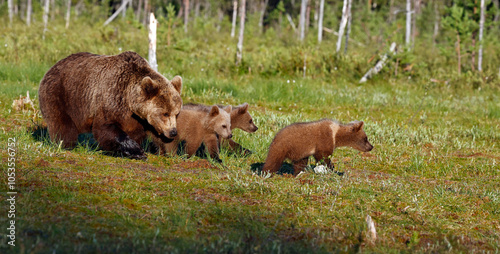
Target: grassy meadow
x=431 y=184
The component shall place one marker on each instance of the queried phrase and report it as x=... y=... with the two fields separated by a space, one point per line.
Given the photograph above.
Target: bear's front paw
x=131 y=149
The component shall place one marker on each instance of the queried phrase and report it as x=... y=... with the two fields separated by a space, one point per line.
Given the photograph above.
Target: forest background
x=432 y=112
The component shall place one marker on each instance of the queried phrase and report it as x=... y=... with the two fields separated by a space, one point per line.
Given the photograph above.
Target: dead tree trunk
x=349 y=20
x=146 y=12
x=436 y=22
x=262 y=13
x=10 y=5
x=186 y=15
x=124 y=12
x=29 y=10
x=45 y=17
x=481 y=28
x=343 y=24
x=459 y=55
x=68 y=12
x=239 y=48
x=320 y=20
x=138 y=11
x=235 y=14
x=302 y=20
x=408 y=23
x=152 y=42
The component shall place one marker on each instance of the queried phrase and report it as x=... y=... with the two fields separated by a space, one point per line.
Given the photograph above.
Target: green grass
x=431 y=184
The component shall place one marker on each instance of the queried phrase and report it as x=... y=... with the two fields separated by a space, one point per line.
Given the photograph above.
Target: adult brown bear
x=117 y=98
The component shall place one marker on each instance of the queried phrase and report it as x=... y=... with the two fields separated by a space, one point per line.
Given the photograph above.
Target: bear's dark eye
x=250 y=121
x=166 y=115
x=224 y=126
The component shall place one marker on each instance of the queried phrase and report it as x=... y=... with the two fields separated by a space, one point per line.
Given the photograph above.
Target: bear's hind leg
x=114 y=140
x=63 y=130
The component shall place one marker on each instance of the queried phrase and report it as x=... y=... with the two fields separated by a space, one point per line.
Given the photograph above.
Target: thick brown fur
x=198 y=126
x=117 y=98
x=240 y=119
x=299 y=141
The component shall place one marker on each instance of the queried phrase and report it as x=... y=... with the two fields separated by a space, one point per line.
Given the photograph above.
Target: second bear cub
x=300 y=140
x=196 y=127
x=240 y=119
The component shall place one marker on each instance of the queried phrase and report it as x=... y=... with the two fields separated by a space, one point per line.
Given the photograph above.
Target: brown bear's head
x=220 y=121
x=358 y=138
x=159 y=102
x=241 y=119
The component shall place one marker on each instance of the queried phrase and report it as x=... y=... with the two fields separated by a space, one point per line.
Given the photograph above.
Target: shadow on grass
x=41 y=134
x=286 y=168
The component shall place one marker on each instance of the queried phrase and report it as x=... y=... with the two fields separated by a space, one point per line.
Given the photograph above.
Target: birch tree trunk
x=262 y=13
x=186 y=15
x=416 y=11
x=436 y=22
x=235 y=13
x=152 y=42
x=68 y=12
x=320 y=20
x=239 y=48
x=124 y=12
x=29 y=10
x=138 y=11
x=408 y=24
x=343 y=24
x=349 y=20
x=459 y=55
x=146 y=12
x=481 y=28
x=302 y=20
x=10 y=5
x=45 y=17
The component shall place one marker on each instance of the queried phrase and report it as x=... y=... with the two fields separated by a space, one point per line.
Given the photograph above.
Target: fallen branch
x=380 y=64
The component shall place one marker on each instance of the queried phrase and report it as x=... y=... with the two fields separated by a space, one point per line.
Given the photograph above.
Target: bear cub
x=240 y=119
x=299 y=141
x=196 y=127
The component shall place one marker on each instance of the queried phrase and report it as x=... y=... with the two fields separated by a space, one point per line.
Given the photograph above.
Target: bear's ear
x=214 y=111
x=358 y=126
x=177 y=83
x=243 y=108
x=149 y=87
x=228 y=109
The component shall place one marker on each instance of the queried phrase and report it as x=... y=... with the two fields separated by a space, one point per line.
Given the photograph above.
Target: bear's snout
x=230 y=136
x=172 y=133
x=369 y=147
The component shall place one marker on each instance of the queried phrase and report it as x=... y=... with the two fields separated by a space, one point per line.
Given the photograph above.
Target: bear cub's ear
x=149 y=87
x=214 y=111
x=177 y=83
x=358 y=125
x=243 y=108
x=228 y=109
